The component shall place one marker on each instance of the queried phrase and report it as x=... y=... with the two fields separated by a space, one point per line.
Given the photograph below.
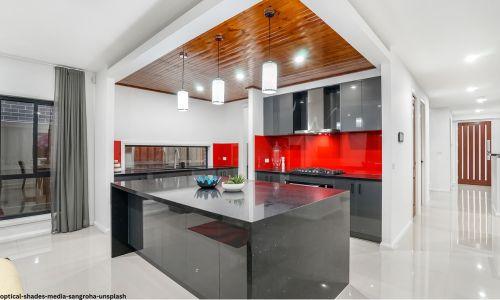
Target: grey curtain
x=70 y=206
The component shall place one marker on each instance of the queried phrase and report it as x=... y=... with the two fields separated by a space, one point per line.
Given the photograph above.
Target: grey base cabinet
x=366 y=207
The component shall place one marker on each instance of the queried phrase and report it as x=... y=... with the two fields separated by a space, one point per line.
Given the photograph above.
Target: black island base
x=269 y=241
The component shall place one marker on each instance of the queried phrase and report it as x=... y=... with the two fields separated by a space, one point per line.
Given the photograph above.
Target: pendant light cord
x=218 y=57
x=183 y=57
x=269 y=38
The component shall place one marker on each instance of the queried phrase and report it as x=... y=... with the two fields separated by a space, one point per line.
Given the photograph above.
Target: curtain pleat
x=70 y=207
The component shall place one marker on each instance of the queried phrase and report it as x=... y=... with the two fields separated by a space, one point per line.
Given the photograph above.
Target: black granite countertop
x=375 y=177
x=142 y=171
x=258 y=200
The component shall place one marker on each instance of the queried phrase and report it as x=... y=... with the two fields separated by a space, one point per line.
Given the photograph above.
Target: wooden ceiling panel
x=294 y=29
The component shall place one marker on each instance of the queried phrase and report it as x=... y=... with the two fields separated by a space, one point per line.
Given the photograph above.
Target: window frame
x=35 y=173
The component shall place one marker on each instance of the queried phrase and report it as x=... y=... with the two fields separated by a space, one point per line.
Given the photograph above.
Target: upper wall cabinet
x=278 y=115
x=361 y=105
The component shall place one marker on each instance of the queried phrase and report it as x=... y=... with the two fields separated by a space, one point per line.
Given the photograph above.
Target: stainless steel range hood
x=315 y=113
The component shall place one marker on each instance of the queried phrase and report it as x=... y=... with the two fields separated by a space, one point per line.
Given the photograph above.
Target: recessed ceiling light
x=353 y=86
x=482 y=294
x=300 y=57
x=471 y=58
x=481 y=100
x=479 y=266
x=478 y=110
x=240 y=76
x=471 y=89
x=199 y=88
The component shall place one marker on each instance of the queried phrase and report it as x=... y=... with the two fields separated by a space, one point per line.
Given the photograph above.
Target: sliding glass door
x=24 y=156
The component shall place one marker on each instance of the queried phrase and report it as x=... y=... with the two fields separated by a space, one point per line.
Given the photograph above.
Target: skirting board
x=495 y=211
x=102 y=228
x=17 y=229
x=398 y=238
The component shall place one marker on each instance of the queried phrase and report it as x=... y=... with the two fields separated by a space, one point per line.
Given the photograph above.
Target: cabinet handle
x=352 y=188
x=359 y=188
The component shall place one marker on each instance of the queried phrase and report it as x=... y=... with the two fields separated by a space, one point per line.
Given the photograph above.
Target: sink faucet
x=177 y=157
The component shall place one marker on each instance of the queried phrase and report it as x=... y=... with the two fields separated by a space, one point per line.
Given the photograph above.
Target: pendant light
x=269 y=68
x=182 y=95
x=218 y=83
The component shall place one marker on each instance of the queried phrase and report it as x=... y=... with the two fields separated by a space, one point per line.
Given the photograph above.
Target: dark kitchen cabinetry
x=278 y=115
x=299 y=111
x=366 y=207
x=332 y=107
x=270 y=177
x=361 y=105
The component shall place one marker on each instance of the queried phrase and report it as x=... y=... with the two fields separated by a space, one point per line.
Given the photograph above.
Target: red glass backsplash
x=118 y=151
x=225 y=155
x=353 y=152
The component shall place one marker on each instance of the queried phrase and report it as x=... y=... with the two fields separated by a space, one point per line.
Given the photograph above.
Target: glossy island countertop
x=257 y=201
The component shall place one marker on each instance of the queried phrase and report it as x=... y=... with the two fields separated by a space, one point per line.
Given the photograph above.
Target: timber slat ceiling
x=294 y=28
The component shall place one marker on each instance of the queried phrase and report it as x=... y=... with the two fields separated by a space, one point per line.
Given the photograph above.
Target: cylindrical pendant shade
x=182 y=100
x=269 y=77
x=218 y=91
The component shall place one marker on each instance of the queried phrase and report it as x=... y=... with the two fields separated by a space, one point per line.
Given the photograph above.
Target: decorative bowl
x=207 y=181
x=231 y=187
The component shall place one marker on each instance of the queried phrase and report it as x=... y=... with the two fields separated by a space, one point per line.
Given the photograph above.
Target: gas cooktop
x=317 y=172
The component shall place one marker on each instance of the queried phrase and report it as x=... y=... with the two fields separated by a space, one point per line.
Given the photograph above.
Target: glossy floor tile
x=451 y=251
x=80 y=262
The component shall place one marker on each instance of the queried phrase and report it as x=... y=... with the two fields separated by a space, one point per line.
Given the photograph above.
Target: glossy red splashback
x=225 y=155
x=118 y=151
x=353 y=152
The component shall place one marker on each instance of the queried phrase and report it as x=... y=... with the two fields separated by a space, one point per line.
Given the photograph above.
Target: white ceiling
x=433 y=37
x=87 y=34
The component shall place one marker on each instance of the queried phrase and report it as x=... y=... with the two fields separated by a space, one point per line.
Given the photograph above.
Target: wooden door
x=474 y=163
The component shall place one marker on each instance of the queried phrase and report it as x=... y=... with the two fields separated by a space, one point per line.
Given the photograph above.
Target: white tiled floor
x=451 y=251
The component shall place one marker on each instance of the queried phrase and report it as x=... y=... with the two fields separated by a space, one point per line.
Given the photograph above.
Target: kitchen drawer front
x=270 y=177
x=311 y=179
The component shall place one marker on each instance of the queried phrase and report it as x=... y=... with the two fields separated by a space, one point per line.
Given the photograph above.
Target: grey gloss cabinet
x=278 y=115
x=361 y=105
x=366 y=207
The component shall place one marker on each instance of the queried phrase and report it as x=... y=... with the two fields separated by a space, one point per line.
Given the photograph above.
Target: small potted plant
x=234 y=183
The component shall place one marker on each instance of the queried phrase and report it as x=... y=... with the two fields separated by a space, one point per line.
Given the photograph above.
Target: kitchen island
x=271 y=240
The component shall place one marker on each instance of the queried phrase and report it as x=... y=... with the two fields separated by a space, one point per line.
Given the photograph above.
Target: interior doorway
x=474 y=146
x=418 y=153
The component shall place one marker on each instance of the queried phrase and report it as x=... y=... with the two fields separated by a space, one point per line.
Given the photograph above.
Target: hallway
x=451 y=251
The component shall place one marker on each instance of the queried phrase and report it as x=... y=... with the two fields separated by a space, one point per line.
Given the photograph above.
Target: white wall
x=440 y=149
x=398 y=86
x=33 y=79
x=26 y=79
x=152 y=118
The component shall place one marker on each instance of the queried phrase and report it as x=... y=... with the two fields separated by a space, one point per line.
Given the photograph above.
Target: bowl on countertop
x=207 y=181
x=231 y=187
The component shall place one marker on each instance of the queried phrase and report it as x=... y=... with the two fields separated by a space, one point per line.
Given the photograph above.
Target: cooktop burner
x=318 y=171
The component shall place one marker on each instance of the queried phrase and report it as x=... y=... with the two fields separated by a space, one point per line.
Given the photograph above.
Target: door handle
x=352 y=188
x=359 y=188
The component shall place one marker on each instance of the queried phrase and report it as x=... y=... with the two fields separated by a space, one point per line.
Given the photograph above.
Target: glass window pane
x=24 y=196
x=164 y=157
x=197 y=156
x=16 y=138
x=45 y=114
